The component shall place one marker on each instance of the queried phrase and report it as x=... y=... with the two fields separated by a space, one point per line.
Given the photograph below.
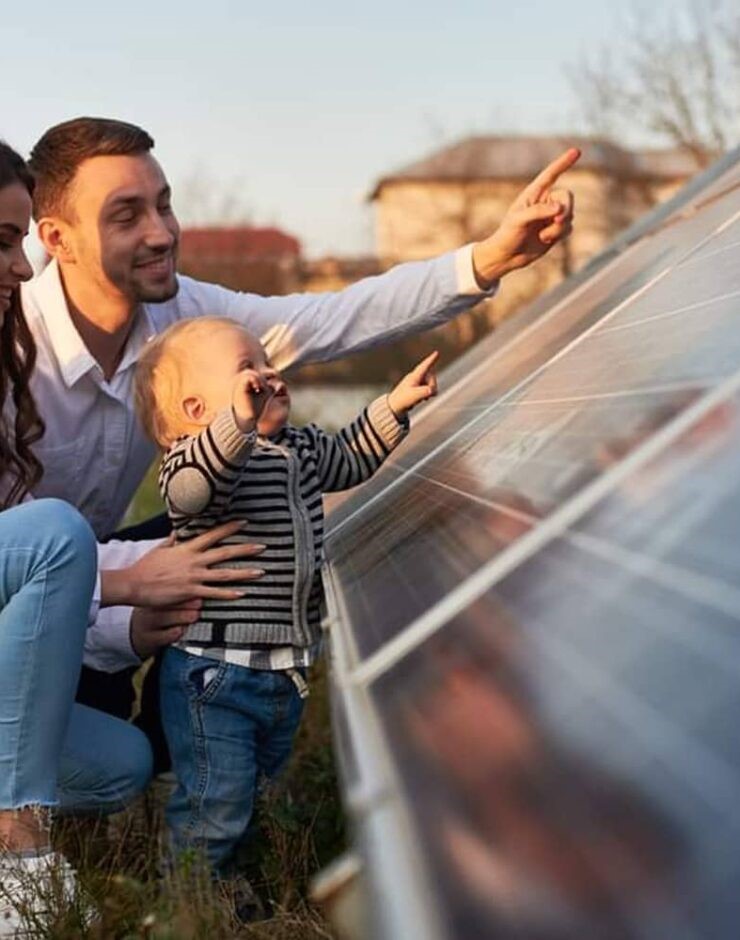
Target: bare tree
x=203 y=201
x=674 y=74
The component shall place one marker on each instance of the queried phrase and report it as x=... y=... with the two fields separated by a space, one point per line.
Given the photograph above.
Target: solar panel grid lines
x=659 y=389
x=498 y=461
x=721 y=178
x=695 y=497
x=390 y=535
x=506 y=350
x=334 y=529
x=634 y=762
x=503 y=339
x=711 y=779
x=725 y=241
x=464 y=429
x=541 y=621
x=453 y=389
x=732 y=246
x=527 y=544
x=631 y=761
x=670 y=314
x=525 y=400
x=581 y=815
x=709 y=591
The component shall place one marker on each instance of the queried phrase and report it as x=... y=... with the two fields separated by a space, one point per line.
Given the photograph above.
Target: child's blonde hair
x=158 y=380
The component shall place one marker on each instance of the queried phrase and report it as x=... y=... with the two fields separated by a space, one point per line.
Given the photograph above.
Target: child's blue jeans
x=226 y=727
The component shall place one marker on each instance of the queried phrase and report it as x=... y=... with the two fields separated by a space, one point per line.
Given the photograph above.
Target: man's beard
x=146 y=294
x=157 y=293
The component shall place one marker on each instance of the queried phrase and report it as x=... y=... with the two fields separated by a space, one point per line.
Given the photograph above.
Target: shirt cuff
x=95 y=601
x=387 y=425
x=465 y=274
x=108 y=642
x=234 y=444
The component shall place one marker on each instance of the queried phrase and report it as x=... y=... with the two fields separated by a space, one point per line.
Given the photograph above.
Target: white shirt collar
x=71 y=353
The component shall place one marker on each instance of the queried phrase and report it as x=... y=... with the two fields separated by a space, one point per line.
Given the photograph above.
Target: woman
x=53 y=751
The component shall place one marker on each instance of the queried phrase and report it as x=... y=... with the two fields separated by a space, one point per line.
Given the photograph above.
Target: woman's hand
x=172 y=573
x=152 y=628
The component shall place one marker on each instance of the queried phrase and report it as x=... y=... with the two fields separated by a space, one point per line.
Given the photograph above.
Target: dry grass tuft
x=299 y=829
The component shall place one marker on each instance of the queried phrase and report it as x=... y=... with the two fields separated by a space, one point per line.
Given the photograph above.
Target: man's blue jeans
x=52 y=751
x=226 y=727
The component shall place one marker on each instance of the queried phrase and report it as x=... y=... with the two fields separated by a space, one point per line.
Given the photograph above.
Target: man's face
x=122 y=229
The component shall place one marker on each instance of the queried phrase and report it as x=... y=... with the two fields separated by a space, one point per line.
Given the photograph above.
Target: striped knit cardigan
x=276 y=485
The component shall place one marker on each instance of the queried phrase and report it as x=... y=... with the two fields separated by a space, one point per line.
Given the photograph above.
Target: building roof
x=522 y=157
x=243 y=244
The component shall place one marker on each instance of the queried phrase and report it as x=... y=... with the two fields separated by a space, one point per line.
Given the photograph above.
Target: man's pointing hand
x=539 y=217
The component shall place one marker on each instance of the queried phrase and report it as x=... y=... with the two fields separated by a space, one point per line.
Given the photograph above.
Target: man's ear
x=54 y=235
x=194 y=408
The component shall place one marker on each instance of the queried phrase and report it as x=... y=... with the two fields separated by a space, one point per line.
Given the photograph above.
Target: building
x=260 y=260
x=460 y=193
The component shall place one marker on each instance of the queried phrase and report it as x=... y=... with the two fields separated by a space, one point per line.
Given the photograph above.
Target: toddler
x=232 y=688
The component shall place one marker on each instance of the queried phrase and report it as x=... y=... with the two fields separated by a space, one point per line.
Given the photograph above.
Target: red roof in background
x=238 y=243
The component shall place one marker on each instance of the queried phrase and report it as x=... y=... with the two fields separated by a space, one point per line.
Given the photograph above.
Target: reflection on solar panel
x=536 y=612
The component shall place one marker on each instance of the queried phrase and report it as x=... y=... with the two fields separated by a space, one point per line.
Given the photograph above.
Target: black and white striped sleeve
x=200 y=474
x=353 y=454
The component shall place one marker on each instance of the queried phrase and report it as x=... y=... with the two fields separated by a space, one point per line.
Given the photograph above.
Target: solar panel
x=535 y=611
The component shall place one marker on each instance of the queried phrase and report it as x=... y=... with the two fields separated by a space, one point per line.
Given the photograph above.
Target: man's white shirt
x=94 y=452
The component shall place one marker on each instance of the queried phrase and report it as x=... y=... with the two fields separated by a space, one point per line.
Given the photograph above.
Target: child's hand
x=418 y=385
x=249 y=396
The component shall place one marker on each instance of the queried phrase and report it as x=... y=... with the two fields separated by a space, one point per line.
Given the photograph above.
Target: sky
x=286 y=113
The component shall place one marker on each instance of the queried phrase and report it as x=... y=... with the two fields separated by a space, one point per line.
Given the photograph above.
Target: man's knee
x=134 y=767
x=109 y=692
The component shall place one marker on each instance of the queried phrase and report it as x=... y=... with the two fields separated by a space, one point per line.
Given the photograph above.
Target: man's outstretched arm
x=409 y=298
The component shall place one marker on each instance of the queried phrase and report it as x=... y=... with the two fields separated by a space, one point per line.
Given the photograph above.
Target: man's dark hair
x=57 y=155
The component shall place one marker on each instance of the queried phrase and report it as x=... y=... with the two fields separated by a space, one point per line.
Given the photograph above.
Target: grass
x=300 y=827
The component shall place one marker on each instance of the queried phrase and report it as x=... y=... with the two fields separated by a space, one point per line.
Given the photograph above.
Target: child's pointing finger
x=420 y=371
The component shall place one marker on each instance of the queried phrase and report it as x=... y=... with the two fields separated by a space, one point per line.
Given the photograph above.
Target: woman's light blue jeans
x=53 y=752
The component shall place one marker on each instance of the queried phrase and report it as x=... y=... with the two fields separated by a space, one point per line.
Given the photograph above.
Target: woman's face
x=15 y=216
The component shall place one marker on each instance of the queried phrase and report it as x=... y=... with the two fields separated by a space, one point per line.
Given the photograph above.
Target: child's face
x=217 y=362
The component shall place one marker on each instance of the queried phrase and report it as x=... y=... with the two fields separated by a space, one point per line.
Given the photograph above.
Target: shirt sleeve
x=108 y=638
x=354 y=453
x=108 y=641
x=467 y=283
x=300 y=328
x=199 y=474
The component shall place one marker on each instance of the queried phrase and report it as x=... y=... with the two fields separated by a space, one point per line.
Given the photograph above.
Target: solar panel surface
x=537 y=604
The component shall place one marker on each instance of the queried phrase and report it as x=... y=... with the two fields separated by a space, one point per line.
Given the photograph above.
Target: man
x=104 y=213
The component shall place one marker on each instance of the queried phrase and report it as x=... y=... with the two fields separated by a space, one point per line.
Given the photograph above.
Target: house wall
x=417 y=219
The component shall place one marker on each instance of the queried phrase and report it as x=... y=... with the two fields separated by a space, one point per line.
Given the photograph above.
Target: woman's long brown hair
x=21 y=425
